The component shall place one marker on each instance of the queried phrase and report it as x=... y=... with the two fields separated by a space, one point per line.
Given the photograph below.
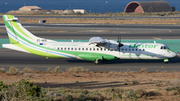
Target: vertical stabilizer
x=18 y=34
x=10 y=30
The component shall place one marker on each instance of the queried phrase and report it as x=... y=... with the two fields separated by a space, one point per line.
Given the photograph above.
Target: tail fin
x=17 y=33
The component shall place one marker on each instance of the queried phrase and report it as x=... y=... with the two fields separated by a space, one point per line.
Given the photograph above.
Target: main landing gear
x=97 y=61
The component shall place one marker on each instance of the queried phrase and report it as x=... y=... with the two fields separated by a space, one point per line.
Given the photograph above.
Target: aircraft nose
x=174 y=54
x=171 y=54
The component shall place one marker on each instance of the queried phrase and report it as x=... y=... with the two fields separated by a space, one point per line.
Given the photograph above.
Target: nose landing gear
x=166 y=61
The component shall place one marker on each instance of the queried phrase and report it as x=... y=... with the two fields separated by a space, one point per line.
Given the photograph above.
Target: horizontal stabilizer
x=14 y=47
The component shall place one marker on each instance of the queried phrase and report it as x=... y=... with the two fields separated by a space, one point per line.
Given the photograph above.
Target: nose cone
x=173 y=54
x=170 y=54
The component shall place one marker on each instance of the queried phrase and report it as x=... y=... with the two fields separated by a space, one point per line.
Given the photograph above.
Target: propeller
x=119 y=42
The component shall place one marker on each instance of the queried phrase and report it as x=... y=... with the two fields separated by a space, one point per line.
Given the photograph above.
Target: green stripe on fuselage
x=36 y=52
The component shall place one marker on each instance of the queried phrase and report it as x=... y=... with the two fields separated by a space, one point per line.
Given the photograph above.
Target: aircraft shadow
x=119 y=61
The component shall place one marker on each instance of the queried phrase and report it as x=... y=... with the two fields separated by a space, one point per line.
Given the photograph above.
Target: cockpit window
x=167 y=47
x=164 y=47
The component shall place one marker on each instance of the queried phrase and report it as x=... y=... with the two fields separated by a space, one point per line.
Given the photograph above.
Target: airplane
x=96 y=50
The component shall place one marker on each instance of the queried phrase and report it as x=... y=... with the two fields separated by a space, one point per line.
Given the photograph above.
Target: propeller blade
x=118 y=38
x=120 y=44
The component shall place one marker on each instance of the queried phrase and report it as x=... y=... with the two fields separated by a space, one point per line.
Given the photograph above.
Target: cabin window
x=132 y=49
x=122 y=49
x=104 y=49
x=64 y=48
x=94 y=49
x=61 y=48
x=82 y=48
x=68 y=48
x=79 y=48
x=115 y=49
x=129 y=49
x=75 y=48
x=136 y=49
x=143 y=49
x=97 y=49
x=90 y=49
x=71 y=48
x=139 y=49
x=101 y=49
x=125 y=49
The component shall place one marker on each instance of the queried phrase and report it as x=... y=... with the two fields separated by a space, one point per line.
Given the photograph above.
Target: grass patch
x=2 y=70
x=173 y=89
x=27 y=70
x=48 y=69
x=77 y=70
x=56 y=69
x=12 y=71
x=143 y=70
x=25 y=89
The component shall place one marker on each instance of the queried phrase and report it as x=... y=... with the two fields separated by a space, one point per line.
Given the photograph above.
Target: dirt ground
x=156 y=82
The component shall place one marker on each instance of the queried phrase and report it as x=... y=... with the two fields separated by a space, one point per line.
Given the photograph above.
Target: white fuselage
x=128 y=51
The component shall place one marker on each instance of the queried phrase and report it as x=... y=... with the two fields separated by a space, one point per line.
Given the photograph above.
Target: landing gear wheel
x=97 y=62
x=166 y=62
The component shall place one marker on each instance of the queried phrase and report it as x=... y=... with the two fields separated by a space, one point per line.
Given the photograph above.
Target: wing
x=98 y=41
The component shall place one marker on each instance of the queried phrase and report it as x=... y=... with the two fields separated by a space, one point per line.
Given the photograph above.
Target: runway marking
x=157 y=38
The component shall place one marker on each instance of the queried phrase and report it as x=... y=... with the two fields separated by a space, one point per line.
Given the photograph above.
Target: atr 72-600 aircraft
x=97 y=49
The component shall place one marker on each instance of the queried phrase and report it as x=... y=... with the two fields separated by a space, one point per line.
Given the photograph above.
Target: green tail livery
x=97 y=49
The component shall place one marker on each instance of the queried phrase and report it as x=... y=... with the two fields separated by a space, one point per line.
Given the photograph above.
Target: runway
x=21 y=60
x=85 y=31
